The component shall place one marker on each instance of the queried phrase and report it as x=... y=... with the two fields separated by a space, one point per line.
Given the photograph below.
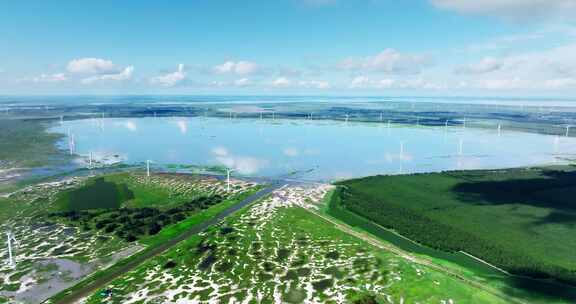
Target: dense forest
x=132 y=223
x=461 y=211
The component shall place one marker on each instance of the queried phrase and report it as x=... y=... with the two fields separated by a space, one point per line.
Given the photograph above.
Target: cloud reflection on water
x=242 y=164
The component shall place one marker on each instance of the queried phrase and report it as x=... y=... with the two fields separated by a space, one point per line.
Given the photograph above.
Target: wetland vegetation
x=277 y=251
x=25 y=143
x=82 y=224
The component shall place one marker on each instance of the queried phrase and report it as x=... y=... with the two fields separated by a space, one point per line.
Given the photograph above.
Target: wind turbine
x=228 y=171
x=10 y=238
x=61 y=119
x=460 y=147
x=102 y=122
x=90 y=160
x=381 y=116
x=464 y=123
x=568 y=130
x=71 y=142
x=417 y=121
x=389 y=122
x=347 y=116
x=446 y=125
x=147 y=168
x=499 y=129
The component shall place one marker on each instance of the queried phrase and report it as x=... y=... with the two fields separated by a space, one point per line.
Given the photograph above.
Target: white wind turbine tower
x=71 y=143
x=389 y=124
x=61 y=119
x=148 y=168
x=102 y=122
x=446 y=125
x=90 y=160
x=460 y=147
x=347 y=116
x=568 y=130
x=464 y=123
x=499 y=129
x=228 y=171
x=10 y=238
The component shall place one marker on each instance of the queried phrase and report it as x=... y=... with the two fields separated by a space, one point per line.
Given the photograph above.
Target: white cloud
x=242 y=82
x=91 y=66
x=501 y=84
x=515 y=9
x=364 y=82
x=281 y=82
x=124 y=75
x=219 y=83
x=486 y=65
x=50 y=78
x=388 y=61
x=553 y=68
x=170 y=79
x=236 y=67
x=360 y=82
x=561 y=83
x=314 y=84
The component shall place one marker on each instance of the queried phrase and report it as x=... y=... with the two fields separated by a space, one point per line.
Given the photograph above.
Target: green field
x=133 y=208
x=286 y=255
x=96 y=194
x=523 y=220
x=25 y=143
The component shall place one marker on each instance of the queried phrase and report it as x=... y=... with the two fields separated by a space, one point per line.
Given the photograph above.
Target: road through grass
x=101 y=278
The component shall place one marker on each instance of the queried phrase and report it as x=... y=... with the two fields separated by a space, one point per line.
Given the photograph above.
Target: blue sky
x=352 y=47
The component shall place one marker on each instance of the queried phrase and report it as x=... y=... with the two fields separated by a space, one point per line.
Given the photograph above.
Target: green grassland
x=88 y=221
x=132 y=208
x=97 y=193
x=25 y=143
x=128 y=192
x=286 y=255
x=523 y=220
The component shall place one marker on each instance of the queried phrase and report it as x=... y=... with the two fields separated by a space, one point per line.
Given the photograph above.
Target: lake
x=317 y=150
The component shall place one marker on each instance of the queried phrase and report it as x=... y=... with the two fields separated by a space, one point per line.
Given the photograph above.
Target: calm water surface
x=319 y=150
